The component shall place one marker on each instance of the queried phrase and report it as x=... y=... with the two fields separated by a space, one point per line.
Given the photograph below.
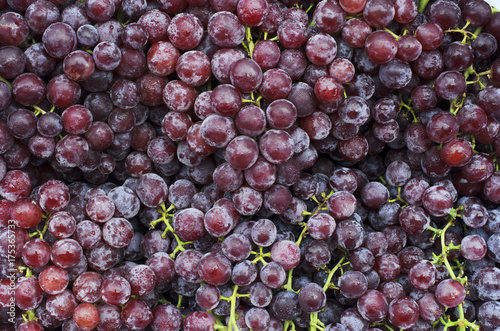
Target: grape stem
x=398 y=197
x=29 y=315
x=6 y=82
x=166 y=217
x=38 y=110
x=409 y=109
x=422 y=5
x=332 y=272
x=462 y=322
x=288 y=285
x=289 y=324
x=260 y=256
x=38 y=232
x=161 y=299
x=392 y=33
x=250 y=43
x=315 y=323
x=304 y=231
x=232 y=299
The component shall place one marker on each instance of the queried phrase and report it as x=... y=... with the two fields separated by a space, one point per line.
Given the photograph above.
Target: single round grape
x=473 y=247
x=59 y=39
x=450 y=293
x=225 y=30
x=373 y=306
x=430 y=309
x=485 y=281
x=403 y=313
x=199 y=320
x=430 y=35
x=312 y=298
x=353 y=284
x=341 y=205
x=329 y=17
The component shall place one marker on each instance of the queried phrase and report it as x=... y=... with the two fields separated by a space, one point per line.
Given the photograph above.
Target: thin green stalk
x=6 y=82
x=422 y=5
x=332 y=272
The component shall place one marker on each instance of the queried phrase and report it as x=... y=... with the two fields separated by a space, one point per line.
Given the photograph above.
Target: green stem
x=444 y=248
x=232 y=319
x=41 y=233
x=38 y=110
x=166 y=217
x=260 y=256
x=303 y=233
x=332 y=272
x=392 y=33
x=161 y=299
x=422 y=5
x=29 y=315
x=289 y=324
x=315 y=323
x=251 y=45
x=6 y=82
x=288 y=285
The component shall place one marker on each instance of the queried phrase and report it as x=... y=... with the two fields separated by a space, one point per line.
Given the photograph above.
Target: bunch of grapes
x=237 y=165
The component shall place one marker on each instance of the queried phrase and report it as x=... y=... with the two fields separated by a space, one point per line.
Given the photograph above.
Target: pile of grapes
x=264 y=165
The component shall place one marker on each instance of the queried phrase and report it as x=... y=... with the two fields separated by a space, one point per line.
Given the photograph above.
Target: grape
x=329 y=16
x=488 y=314
x=215 y=269
x=312 y=298
x=353 y=284
x=225 y=30
x=430 y=309
x=286 y=253
x=244 y=273
x=373 y=306
x=381 y=47
x=473 y=247
x=28 y=293
x=199 y=320
x=272 y=275
x=185 y=31
x=422 y=275
x=485 y=281
x=352 y=319
x=403 y=312
x=86 y=316
x=341 y=205
x=136 y=314
x=59 y=39
x=430 y=35
x=233 y=117
x=450 y=293
x=207 y=296
x=61 y=306
x=246 y=75
x=166 y=317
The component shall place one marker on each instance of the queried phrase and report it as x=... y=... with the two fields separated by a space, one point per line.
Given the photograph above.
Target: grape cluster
x=248 y=165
